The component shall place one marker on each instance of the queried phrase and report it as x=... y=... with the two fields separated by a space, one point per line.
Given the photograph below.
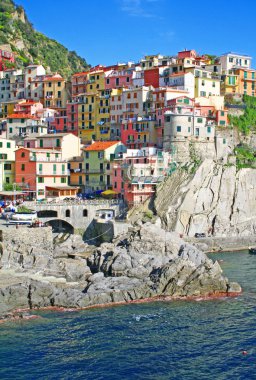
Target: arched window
x=85 y=212
x=67 y=213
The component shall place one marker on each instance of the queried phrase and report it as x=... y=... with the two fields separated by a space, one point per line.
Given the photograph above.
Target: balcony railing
x=46 y=159
x=93 y=171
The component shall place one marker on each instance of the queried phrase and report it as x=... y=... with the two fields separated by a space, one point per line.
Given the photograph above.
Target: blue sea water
x=160 y=340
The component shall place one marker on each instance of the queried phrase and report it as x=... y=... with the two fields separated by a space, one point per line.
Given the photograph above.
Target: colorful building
x=97 y=158
x=40 y=171
x=7 y=162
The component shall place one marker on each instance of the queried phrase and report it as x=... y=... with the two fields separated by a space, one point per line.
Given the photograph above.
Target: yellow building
x=87 y=117
x=7 y=108
x=230 y=85
x=94 y=108
x=55 y=91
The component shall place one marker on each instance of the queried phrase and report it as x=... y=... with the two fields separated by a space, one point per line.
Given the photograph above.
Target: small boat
x=252 y=250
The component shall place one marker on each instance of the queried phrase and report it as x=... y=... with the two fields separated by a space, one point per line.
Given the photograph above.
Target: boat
x=24 y=216
x=252 y=250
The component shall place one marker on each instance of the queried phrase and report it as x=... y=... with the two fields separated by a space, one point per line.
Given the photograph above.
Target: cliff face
x=31 y=46
x=217 y=200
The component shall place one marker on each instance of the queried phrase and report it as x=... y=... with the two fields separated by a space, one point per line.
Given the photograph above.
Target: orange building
x=246 y=81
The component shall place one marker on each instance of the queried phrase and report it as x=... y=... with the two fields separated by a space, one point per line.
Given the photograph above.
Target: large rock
x=217 y=200
x=147 y=262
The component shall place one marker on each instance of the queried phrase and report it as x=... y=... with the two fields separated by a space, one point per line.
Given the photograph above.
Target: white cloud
x=137 y=8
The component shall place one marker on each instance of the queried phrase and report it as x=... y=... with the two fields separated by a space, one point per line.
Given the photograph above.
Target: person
x=7 y=219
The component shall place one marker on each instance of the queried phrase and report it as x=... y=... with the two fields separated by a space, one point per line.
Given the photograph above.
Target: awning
x=109 y=192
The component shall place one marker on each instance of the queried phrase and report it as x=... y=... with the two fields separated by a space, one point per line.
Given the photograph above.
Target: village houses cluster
x=123 y=127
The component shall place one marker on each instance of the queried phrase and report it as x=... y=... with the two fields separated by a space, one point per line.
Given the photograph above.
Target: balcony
x=46 y=159
x=93 y=171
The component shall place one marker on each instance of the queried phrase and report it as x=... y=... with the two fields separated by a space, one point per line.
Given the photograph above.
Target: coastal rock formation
x=217 y=200
x=146 y=262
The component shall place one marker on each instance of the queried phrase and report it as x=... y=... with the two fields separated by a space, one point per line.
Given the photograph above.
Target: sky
x=110 y=31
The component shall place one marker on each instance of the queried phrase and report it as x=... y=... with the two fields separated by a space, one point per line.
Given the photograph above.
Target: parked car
x=200 y=235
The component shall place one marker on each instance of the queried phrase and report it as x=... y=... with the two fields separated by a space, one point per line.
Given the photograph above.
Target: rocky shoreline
x=145 y=264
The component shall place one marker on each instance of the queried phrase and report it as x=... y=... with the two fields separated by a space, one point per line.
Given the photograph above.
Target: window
x=101 y=178
x=23 y=154
x=245 y=74
x=222 y=113
x=41 y=143
x=107 y=81
x=40 y=192
x=10 y=130
x=189 y=129
x=224 y=141
x=85 y=213
x=209 y=129
x=197 y=131
x=199 y=120
x=1 y=144
x=67 y=213
x=40 y=168
x=178 y=129
x=8 y=145
x=54 y=168
x=189 y=118
x=222 y=122
x=253 y=74
x=230 y=59
x=213 y=84
x=100 y=154
x=63 y=180
x=232 y=80
x=7 y=179
x=63 y=168
x=58 y=143
x=23 y=167
x=40 y=179
x=7 y=166
x=59 y=84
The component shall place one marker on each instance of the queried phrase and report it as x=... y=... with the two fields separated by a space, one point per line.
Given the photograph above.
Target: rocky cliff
x=146 y=262
x=31 y=46
x=217 y=199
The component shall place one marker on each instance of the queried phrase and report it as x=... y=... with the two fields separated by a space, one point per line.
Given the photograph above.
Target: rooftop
x=101 y=145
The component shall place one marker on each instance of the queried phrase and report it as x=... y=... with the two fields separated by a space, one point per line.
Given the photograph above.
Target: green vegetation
x=245 y=157
x=246 y=122
x=24 y=210
x=38 y=48
x=11 y=187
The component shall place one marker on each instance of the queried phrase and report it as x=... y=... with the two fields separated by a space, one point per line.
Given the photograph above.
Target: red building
x=6 y=58
x=151 y=77
x=59 y=124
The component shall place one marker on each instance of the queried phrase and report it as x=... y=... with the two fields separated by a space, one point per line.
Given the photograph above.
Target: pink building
x=72 y=117
x=118 y=78
x=29 y=107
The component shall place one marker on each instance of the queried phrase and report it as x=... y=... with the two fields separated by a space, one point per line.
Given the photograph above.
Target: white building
x=233 y=60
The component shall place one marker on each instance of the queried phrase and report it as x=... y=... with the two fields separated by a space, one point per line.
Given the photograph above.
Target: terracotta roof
x=101 y=145
x=21 y=116
x=80 y=74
